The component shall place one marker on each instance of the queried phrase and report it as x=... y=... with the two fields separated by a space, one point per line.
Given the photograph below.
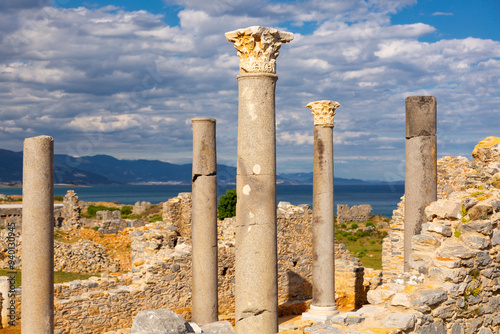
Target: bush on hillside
x=227 y=205
x=92 y=210
x=125 y=210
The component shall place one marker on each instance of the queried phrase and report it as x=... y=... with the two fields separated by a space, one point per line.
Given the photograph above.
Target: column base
x=319 y=313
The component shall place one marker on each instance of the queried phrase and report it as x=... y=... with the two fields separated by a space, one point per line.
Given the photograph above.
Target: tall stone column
x=420 y=166
x=37 y=301
x=256 y=286
x=204 y=222
x=323 y=303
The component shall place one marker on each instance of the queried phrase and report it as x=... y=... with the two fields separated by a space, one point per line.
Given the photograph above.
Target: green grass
x=59 y=276
x=365 y=245
x=92 y=210
x=156 y=218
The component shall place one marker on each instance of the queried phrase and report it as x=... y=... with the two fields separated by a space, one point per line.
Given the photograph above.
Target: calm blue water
x=382 y=198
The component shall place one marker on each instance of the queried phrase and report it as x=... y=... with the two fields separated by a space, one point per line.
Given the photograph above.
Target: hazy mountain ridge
x=105 y=169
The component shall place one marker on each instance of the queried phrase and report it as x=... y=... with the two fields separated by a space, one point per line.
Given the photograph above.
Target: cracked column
x=420 y=166
x=256 y=286
x=204 y=223
x=323 y=303
x=37 y=301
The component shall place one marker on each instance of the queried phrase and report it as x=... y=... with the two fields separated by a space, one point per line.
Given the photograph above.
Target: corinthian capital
x=323 y=112
x=258 y=47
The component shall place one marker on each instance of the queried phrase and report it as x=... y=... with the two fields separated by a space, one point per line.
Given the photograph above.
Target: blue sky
x=126 y=80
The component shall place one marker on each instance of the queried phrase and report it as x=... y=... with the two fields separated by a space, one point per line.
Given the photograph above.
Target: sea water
x=382 y=197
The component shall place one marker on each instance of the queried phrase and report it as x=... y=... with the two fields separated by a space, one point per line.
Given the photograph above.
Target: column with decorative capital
x=323 y=304
x=256 y=286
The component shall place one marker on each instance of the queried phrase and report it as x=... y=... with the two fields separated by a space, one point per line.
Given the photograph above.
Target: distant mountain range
x=105 y=169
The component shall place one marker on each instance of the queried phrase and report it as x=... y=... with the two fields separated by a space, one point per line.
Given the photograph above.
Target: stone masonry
x=353 y=214
x=161 y=274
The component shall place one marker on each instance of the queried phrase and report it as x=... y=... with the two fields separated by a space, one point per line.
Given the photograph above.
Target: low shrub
x=92 y=210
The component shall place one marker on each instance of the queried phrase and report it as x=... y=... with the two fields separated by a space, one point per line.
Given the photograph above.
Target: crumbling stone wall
x=84 y=256
x=140 y=207
x=454 y=286
x=393 y=245
x=178 y=211
x=353 y=214
x=11 y=216
x=455 y=175
x=161 y=274
x=71 y=210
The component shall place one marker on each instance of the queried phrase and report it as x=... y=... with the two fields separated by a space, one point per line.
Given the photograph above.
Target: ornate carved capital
x=258 y=47
x=323 y=112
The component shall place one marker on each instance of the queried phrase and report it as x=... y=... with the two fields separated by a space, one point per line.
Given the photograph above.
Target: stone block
x=456 y=250
x=480 y=211
x=424 y=243
x=495 y=205
x=322 y=328
x=403 y=321
x=443 y=209
x=284 y=205
x=446 y=262
x=438 y=228
x=420 y=116
x=469 y=202
x=483 y=227
x=219 y=327
x=444 y=312
x=380 y=295
x=477 y=242
x=458 y=328
x=429 y=297
x=485 y=330
x=495 y=240
x=433 y=328
x=401 y=299
x=487 y=150
x=473 y=326
x=159 y=321
x=494 y=304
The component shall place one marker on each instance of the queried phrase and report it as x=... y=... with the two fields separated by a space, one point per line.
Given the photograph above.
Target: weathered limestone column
x=323 y=303
x=4 y=291
x=420 y=166
x=256 y=286
x=204 y=223
x=37 y=281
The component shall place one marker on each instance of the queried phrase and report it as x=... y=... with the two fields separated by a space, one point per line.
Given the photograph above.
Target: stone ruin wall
x=161 y=273
x=454 y=174
x=354 y=214
x=454 y=286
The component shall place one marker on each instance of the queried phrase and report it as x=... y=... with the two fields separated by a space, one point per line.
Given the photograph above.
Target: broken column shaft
x=204 y=222
x=323 y=304
x=420 y=166
x=256 y=286
x=38 y=236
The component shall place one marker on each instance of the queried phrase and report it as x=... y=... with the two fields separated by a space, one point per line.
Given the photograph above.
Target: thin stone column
x=38 y=236
x=420 y=166
x=323 y=303
x=204 y=222
x=4 y=291
x=256 y=284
